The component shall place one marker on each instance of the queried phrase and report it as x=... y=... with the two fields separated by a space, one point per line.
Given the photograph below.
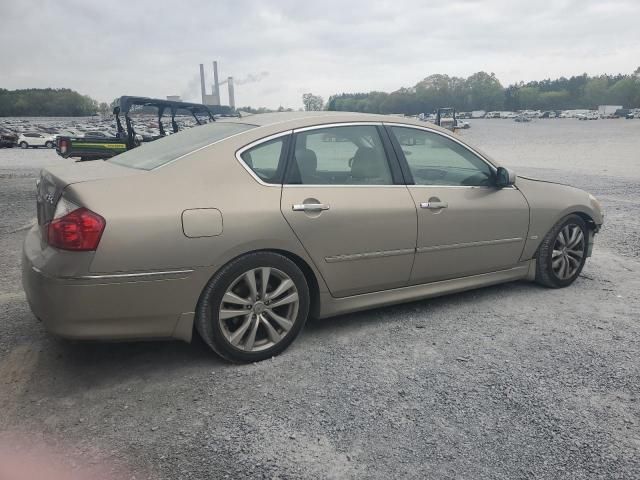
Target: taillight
x=79 y=230
x=63 y=145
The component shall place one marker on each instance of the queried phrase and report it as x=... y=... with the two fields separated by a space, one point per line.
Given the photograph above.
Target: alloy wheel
x=568 y=251
x=258 y=309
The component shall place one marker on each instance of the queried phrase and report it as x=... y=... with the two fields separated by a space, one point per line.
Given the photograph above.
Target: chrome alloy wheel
x=258 y=309
x=568 y=251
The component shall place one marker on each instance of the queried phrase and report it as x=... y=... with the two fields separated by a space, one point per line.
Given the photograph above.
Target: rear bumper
x=98 y=308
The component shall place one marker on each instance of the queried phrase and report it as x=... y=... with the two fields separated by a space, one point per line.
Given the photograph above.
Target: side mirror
x=505 y=177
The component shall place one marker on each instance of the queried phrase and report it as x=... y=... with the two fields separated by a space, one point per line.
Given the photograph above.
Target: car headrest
x=366 y=164
x=307 y=162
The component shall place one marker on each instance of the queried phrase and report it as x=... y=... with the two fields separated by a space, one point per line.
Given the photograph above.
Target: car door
x=345 y=199
x=466 y=226
x=37 y=139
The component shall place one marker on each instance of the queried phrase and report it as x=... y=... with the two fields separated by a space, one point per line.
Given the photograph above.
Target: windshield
x=154 y=154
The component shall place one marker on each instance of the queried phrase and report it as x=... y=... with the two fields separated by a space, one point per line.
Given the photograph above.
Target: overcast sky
x=287 y=47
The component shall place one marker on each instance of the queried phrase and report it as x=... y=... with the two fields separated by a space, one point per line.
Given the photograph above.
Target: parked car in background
x=522 y=118
x=94 y=134
x=621 y=113
x=462 y=124
x=241 y=229
x=36 y=139
x=8 y=138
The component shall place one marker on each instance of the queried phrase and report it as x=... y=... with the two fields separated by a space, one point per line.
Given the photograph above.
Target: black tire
x=545 y=274
x=207 y=320
x=24 y=145
x=49 y=144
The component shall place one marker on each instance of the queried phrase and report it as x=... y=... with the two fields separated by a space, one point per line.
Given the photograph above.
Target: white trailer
x=608 y=110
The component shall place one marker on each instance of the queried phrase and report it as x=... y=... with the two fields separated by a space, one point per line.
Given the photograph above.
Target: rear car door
x=345 y=199
x=466 y=226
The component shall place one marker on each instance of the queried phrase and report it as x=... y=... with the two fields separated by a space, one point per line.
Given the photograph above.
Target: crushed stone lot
x=505 y=382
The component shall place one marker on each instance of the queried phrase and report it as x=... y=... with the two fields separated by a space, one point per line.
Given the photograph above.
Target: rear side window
x=348 y=155
x=159 y=152
x=266 y=159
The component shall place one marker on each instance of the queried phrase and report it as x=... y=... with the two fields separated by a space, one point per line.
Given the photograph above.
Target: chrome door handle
x=434 y=205
x=309 y=207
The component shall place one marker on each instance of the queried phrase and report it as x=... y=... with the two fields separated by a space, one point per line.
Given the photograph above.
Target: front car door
x=466 y=226
x=345 y=199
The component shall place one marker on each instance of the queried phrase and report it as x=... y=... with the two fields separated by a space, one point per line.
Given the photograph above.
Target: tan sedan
x=241 y=229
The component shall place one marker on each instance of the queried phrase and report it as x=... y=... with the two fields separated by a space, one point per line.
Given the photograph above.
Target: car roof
x=302 y=119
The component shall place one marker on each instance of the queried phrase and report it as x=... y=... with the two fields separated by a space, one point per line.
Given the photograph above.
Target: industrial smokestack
x=232 y=97
x=216 y=85
x=202 y=87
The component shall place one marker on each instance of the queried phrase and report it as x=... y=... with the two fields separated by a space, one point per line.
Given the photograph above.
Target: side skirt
x=331 y=306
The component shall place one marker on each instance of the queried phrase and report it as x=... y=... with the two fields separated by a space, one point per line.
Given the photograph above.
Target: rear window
x=154 y=154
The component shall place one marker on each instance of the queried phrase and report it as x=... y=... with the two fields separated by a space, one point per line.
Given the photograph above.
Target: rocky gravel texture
x=506 y=382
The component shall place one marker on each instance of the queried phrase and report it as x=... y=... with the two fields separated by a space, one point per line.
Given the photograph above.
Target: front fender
x=549 y=202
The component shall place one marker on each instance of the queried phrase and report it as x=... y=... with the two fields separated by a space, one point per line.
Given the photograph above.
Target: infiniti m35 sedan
x=241 y=229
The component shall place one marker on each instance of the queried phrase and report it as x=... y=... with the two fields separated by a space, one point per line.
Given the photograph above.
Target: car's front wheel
x=254 y=307
x=24 y=145
x=562 y=253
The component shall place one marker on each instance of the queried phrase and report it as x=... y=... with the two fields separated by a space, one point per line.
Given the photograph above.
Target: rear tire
x=24 y=145
x=562 y=253
x=49 y=144
x=245 y=319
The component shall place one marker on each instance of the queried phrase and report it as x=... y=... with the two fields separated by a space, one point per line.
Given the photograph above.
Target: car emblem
x=49 y=198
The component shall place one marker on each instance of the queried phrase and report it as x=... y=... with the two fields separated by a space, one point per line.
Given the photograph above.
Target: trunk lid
x=53 y=181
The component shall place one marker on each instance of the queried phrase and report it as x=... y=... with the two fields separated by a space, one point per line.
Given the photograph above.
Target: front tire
x=254 y=307
x=562 y=253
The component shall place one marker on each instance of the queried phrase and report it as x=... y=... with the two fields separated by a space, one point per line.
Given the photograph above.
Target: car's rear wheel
x=49 y=144
x=254 y=307
x=24 y=145
x=562 y=253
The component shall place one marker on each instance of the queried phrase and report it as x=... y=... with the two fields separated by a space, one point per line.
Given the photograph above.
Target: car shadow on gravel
x=422 y=308
x=80 y=365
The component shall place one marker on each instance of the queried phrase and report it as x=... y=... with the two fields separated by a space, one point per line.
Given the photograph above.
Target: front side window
x=437 y=160
x=264 y=160
x=349 y=155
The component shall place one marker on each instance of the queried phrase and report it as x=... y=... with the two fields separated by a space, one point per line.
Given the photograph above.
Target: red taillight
x=79 y=230
x=63 y=145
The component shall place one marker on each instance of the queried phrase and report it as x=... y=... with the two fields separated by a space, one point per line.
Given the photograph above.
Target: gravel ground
x=512 y=381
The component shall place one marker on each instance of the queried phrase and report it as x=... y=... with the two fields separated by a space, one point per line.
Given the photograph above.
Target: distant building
x=174 y=98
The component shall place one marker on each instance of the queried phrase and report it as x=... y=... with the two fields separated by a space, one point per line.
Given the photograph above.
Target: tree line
x=483 y=91
x=38 y=102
